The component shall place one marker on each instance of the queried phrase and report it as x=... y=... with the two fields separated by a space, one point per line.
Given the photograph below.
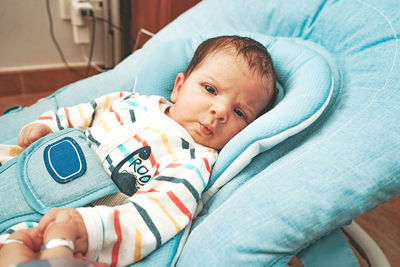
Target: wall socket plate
x=98 y=7
x=80 y=25
x=65 y=8
x=108 y=10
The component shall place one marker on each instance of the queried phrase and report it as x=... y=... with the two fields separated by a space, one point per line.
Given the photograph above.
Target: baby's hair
x=253 y=52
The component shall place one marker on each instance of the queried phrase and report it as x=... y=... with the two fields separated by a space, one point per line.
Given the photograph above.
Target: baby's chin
x=210 y=144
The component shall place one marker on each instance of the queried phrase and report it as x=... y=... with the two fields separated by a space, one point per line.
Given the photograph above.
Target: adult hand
x=67 y=221
x=26 y=247
x=27 y=244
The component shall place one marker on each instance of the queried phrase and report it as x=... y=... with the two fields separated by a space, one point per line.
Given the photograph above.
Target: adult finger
x=76 y=221
x=59 y=236
x=22 y=245
x=47 y=219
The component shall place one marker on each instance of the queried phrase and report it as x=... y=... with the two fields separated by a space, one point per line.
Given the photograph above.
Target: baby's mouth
x=206 y=130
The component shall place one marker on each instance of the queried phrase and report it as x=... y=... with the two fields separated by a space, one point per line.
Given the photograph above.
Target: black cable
x=122 y=30
x=92 y=41
x=56 y=43
x=91 y=49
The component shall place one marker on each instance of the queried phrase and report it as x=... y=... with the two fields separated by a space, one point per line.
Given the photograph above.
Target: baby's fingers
x=23 y=137
x=65 y=223
x=47 y=219
x=31 y=133
x=62 y=228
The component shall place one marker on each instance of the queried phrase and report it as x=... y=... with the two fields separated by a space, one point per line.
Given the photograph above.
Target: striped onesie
x=132 y=135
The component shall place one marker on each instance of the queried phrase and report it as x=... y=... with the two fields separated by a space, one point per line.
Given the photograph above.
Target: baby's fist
x=31 y=133
x=65 y=223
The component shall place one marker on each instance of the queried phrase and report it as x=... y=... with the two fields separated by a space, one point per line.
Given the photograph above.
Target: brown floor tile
x=10 y=84
x=51 y=79
x=383 y=225
x=23 y=100
x=39 y=80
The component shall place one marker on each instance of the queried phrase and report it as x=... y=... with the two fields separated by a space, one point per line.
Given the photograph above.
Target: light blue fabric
x=337 y=163
x=344 y=164
x=304 y=69
x=308 y=92
x=323 y=177
x=329 y=252
x=30 y=190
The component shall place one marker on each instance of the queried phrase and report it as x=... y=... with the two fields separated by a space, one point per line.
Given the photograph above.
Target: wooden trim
x=153 y=15
x=38 y=80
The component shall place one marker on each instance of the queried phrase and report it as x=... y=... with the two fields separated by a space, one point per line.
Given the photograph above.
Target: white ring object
x=10 y=241
x=59 y=242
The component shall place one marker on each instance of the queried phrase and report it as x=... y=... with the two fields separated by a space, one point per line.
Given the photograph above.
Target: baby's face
x=218 y=99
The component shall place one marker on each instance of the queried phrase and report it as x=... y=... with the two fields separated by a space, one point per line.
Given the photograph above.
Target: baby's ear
x=180 y=78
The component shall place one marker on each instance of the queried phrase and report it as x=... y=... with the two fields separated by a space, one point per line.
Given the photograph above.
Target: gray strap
x=111 y=200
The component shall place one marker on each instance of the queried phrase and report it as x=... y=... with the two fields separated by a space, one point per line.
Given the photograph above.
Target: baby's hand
x=31 y=133
x=75 y=227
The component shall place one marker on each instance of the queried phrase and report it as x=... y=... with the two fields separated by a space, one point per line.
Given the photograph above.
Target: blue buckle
x=64 y=160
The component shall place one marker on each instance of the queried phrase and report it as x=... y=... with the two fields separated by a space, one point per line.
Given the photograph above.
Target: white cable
x=374 y=253
x=138 y=37
x=147 y=32
x=134 y=85
x=94 y=65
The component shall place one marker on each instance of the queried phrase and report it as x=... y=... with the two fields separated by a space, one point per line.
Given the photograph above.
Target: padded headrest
x=303 y=72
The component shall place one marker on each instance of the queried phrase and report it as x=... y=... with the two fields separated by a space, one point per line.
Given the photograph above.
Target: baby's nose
x=220 y=112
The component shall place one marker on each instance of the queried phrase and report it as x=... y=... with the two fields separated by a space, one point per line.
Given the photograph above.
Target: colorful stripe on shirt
x=135 y=104
x=83 y=117
x=191 y=168
x=15 y=151
x=165 y=211
x=66 y=111
x=138 y=246
x=179 y=204
x=151 y=157
x=117 y=244
x=189 y=187
x=149 y=222
x=165 y=142
x=91 y=138
x=174 y=199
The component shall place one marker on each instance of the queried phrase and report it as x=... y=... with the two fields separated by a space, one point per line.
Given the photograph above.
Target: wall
x=25 y=40
x=30 y=66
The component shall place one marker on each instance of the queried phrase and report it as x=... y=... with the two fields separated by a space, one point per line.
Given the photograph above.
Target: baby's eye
x=210 y=89
x=239 y=112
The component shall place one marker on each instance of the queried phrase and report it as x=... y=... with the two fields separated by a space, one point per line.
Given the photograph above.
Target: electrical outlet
x=98 y=7
x=80 y=22
x=65 y=9
x=71 y=10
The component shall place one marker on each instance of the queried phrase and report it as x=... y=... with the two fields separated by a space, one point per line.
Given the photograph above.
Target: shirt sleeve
x=80 y=116
x=153 y=215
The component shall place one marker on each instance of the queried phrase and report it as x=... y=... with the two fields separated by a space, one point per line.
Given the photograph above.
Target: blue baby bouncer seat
x=327 y=152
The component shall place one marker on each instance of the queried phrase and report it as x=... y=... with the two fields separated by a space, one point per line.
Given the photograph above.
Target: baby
x=227 y=85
